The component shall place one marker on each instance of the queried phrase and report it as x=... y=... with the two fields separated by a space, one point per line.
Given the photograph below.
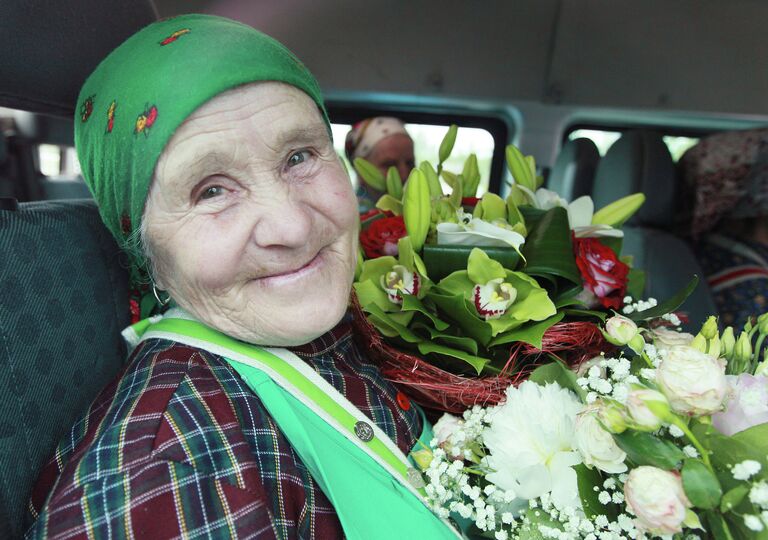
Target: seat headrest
x=639 y=162
x=41 y=128
x=573 y=174
x=48 y=48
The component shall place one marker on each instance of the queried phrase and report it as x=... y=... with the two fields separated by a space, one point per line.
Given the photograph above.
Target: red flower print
x=603 y=274
x=111 y=116
x=146 y=120
x=173 y=37
x=381 y=237
x=86 y=109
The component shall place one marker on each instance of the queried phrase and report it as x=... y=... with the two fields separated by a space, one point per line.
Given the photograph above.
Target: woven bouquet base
x=435 y=388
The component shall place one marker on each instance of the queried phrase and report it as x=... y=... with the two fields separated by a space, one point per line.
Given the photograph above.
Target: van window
x=426 y=141
x=604 y=138
x=57 y=161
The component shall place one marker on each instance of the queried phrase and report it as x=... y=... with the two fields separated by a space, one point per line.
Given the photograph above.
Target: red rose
x=381 y=237
x=604 y=275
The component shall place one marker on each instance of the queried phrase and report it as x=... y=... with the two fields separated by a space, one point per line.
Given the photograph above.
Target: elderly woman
x=207 y=148
x=384 y=142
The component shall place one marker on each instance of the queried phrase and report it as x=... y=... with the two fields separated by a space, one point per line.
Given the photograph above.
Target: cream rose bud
x=664 y=339
x=619 y=330
x=446 y=426
x=657 y=498
x=596 y=445
x=647 y=408
x=694 y=382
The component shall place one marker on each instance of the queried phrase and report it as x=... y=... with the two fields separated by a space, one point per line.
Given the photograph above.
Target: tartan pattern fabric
x=179 y=446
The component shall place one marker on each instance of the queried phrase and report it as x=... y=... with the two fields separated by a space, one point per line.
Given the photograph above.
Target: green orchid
x=385 y=281
x=500 y=298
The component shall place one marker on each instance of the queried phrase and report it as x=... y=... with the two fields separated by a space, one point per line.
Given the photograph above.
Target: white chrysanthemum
x=530 y=442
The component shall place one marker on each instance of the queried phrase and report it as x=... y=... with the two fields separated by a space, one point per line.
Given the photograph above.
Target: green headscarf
x=134 y=101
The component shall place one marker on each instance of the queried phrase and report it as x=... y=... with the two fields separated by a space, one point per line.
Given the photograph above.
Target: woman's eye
x=298 y=158
x=211 y=192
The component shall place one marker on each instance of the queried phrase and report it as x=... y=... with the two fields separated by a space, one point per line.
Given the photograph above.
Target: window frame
x=497 y=123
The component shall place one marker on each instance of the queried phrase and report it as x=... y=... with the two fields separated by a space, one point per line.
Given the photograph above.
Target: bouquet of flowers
x=463 y=295
x=666 y=437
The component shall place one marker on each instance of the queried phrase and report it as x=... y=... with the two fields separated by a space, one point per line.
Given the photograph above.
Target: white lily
x=580 y=213
x=471 y=231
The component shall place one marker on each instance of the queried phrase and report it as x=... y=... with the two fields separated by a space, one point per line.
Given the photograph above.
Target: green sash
x=373 y=487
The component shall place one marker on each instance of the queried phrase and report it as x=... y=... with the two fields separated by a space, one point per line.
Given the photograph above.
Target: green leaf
x=481 y=268
x=717 y=526
x=532 y=333
x=446 y=146
x=618 y=212
x=394 y=183
x=454 y=307
x=373 y=269
x=557 y=372
x=477 y=363
x=535 y=519
x=756 y=438
x=370 y=174
x=667 y=306
x=403 y=331
x=733 y=497
x=443 y=260
x=548 y=249
x=586 y=313
x=417 y=210
x=411 y=303
x=636 y=283
x=587 y=480
x=700 y=484
x=388 y=203
x=646 y=449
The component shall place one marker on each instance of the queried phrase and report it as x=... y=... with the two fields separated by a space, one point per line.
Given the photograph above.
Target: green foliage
x=667 y=306
x=587 y=480
x=700 y=484
x=647 y=449
x=557 y=372
x=549 y=239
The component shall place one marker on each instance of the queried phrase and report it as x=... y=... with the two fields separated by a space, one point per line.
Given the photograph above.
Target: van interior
x=606 y=95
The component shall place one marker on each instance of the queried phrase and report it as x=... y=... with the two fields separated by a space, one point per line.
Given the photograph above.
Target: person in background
x=384 y=142
x=727 y=175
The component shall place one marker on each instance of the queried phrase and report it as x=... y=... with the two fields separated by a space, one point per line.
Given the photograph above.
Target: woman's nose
x=285 y=223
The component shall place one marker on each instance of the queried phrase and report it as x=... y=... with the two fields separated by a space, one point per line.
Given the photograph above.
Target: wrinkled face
x=251 y=221
x=394 y=151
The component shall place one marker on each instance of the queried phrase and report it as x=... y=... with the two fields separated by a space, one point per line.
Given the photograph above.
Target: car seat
x=65 y=291
x=573 y=173
x=640 y=162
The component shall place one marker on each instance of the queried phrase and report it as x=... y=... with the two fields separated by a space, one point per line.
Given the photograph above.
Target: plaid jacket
x=179 y=446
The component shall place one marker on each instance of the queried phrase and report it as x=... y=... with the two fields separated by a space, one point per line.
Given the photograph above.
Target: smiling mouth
x=281 y=278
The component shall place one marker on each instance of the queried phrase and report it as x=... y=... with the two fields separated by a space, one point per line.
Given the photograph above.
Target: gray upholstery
x=49 y=47
x=573 y=174
x=61 y=187
x=64 y=301
x=640 y=162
